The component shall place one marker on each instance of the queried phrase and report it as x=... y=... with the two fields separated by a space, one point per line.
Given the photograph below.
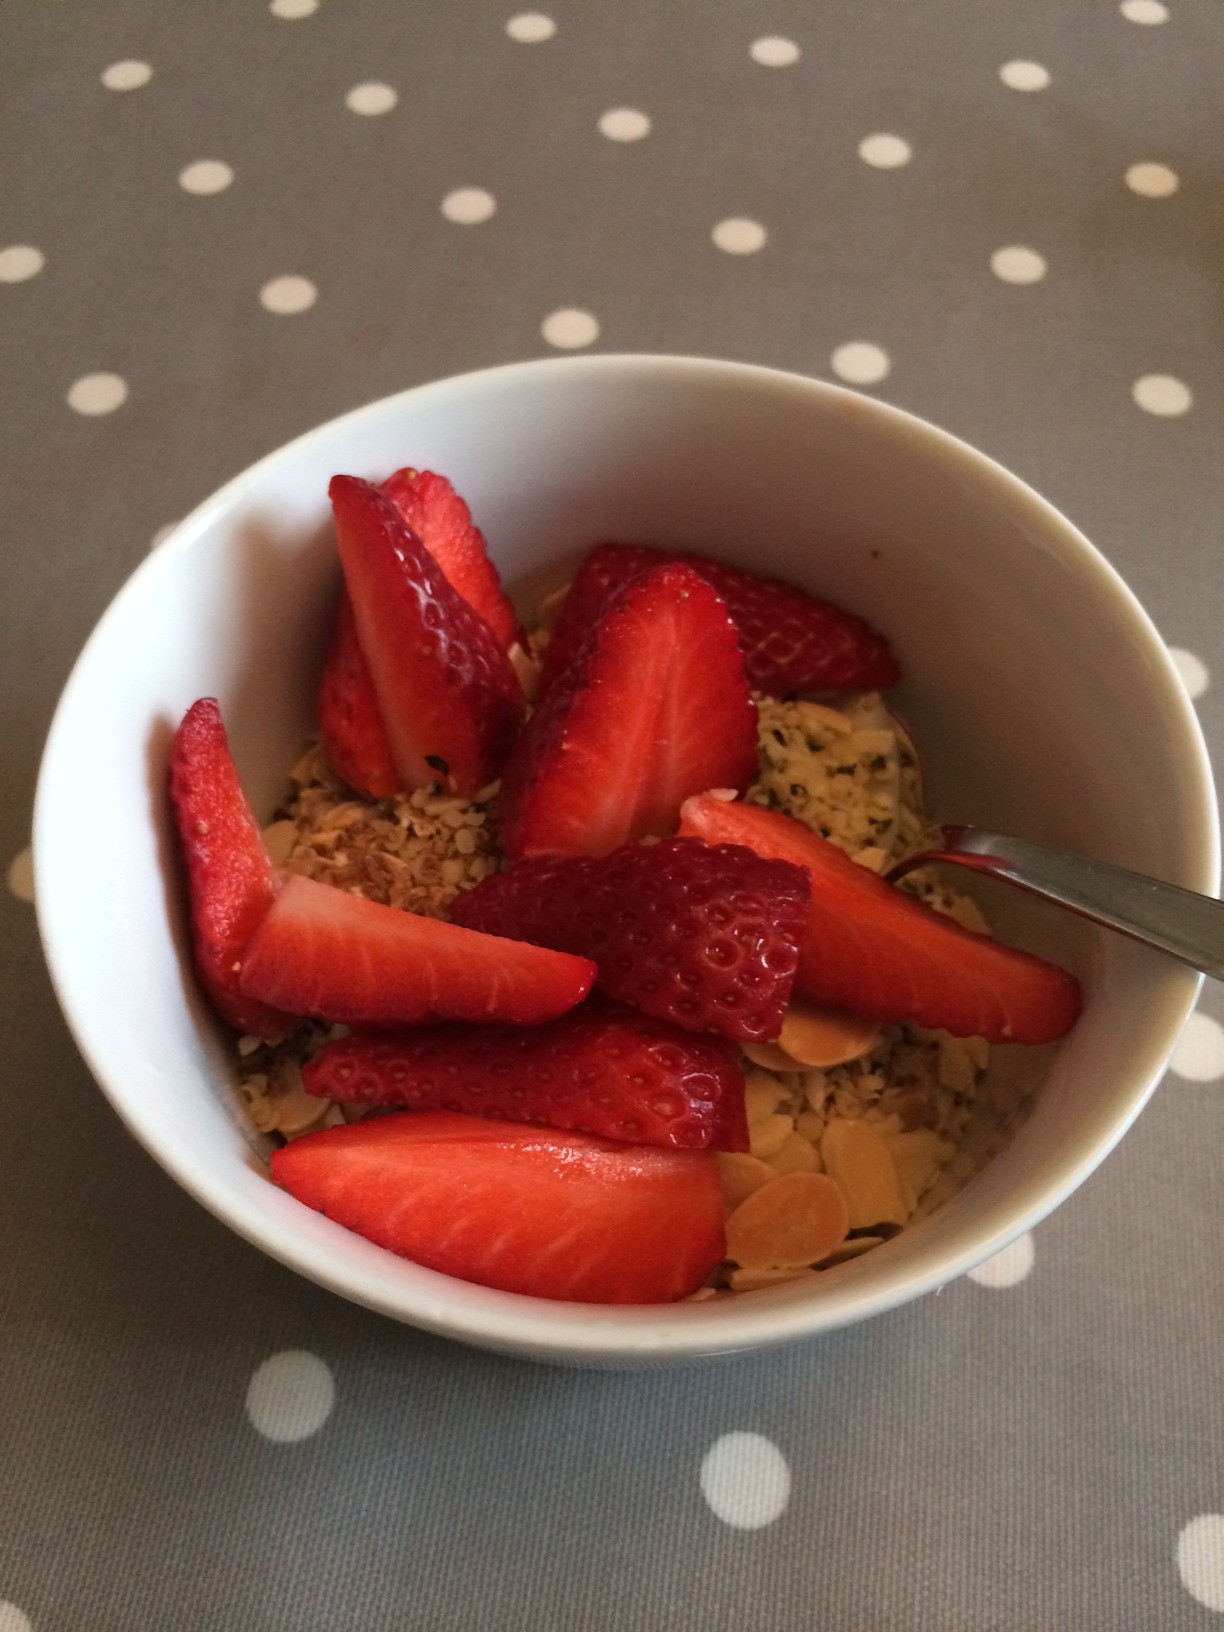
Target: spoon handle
x=1180 y=922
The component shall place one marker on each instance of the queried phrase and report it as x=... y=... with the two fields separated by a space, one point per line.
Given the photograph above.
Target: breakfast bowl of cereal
x=492 y=797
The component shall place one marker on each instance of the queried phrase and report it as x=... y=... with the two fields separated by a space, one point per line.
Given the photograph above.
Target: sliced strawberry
x=448 y=697
x=706 y=937
x=600 y=1069
x=657 y=701
x=791 y=641
x=335 y=956
x=873 y=949
x=550 y=1215
x=232 y=881
x=443 y=523
x=350 y=725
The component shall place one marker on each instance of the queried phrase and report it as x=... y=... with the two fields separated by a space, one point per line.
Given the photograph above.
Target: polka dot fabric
x=223 y=225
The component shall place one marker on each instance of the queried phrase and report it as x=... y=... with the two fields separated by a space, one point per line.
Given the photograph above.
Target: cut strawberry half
x=791 y=641
x=549 y=1215
x=873 y=949
x=443 y=523
x=655 y=703
x=449 y=699
x=232 y=881
x=334 y=956
x=706 y=937
x=350 y=724
x=600 y=1069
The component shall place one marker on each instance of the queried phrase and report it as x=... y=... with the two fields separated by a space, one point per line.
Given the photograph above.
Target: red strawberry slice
x=600 y=1069
x=232 y=881
x=706 y=937
x=873 y=949
x=550 y=1215
x=350 y=725
x=443 y=523
x=335 y=956
x=448 y=697
x=791 y=641
x=656 y=702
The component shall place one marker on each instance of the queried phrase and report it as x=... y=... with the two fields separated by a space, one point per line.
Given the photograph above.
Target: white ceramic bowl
x=1042 y=697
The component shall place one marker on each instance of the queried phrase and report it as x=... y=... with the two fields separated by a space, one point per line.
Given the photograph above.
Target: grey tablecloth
x=223 y=223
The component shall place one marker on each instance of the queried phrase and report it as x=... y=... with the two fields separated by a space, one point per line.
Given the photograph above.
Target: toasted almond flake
x=853 y=1248
x=763 y=1094
x=756 y=1280
x=550 y=608
x=790 y=1222
x=919 y=1154
x=740 y=1174
x=859 y=1160
x=813 y=1034
x=796 y=1155
x=769 y=1135
x=279 y=840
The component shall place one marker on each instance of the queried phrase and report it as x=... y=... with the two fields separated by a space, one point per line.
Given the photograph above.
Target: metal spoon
x=1186 y=925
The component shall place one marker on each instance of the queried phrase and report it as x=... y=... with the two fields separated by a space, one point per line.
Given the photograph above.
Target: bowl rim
x=578 y=1332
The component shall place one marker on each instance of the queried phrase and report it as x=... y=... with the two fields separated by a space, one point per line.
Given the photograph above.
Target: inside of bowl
x=1037 y=691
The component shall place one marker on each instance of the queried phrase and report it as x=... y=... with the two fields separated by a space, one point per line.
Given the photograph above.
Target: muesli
x=683 y=789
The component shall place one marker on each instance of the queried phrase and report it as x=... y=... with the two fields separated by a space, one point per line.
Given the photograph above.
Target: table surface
x=222 y=224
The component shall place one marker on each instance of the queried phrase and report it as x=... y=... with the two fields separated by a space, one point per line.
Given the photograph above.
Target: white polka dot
x=531 y=27
x=569 y=328
x=13 y=1619
x=1017 y=264
x=292 y=11
x=98 y=393
x=1200 y=1559
x=288 y=296
x=1024 y=76
x=371 y=99
x=746 y=1480
x=739 y=236
x=290 y=1396
x=859 y=362
x=126 y=76
x=624 y=125
x=773 y=51
x=1162 y=394
x=1199 y=1055
x=1194 y=673
x=206 y=176
x=1006 y=1268
x=1152 y=180
x=885 y=152
x=162 y=534
x=21 y=875
x=468 y=206
x=19 y=262
x=1144 y=11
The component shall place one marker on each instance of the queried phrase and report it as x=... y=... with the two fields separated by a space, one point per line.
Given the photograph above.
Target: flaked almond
x=795 y=1155
x=857 y=1158
x=763 y=1094
x=855 y=1247
x=767 y=1137
x=815 y=1035
x=792 y=1221
x=550 y=608
x=919 y=1154
x=279 y=839
x=754 y=1280
x=741 y=1174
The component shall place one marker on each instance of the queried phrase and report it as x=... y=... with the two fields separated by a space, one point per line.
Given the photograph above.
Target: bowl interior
x=1041 y=697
